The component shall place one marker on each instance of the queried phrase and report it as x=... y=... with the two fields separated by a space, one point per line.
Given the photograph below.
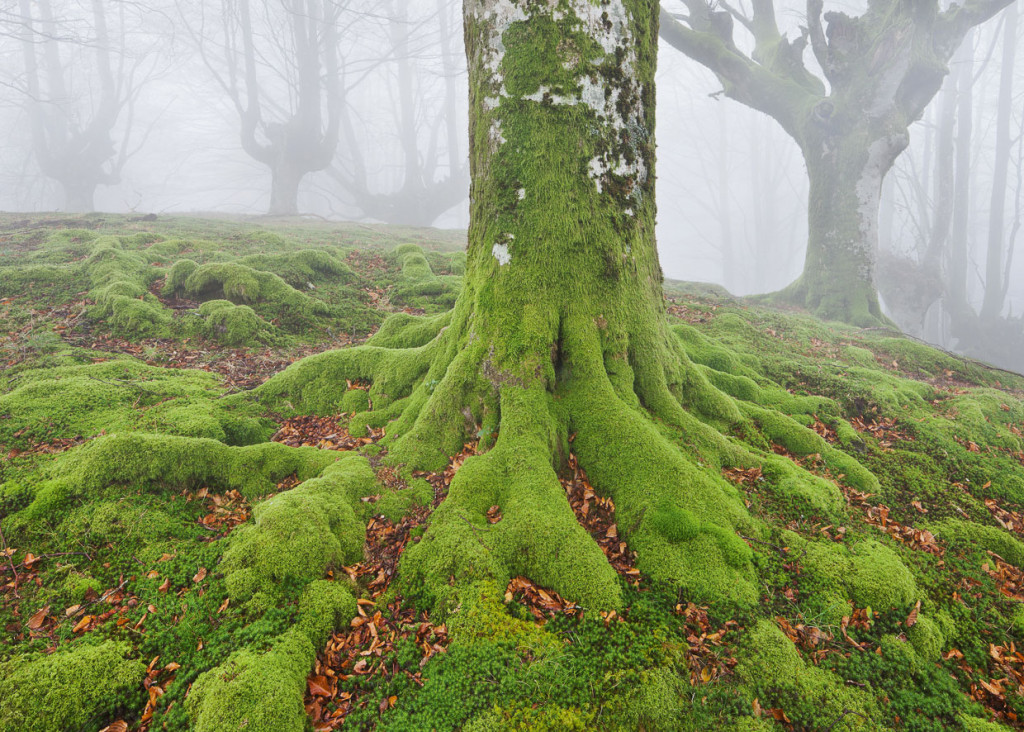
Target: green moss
x=141 y=459
x=324 y=608
x=868 y=573
x=178 y=275
x=117 y=395
x=234 y=325
x=255 y=691
x=418 y=285
x=973 y=724
x=301 y=268
x=296 y=535
x=71 y=689
x=926 y=638
x=971 y=537
x=355 y=400
x=481 y=616
x=878 y=578
x=772 y=668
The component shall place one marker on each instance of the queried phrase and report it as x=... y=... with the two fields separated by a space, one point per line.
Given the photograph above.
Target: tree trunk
x=284 y=189
x=559 y=339
x=79 y=196
x=956 y=272
x=995 y=292
x=838 y=282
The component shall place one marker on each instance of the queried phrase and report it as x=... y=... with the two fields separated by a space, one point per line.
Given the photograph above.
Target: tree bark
x=845 y=173
x=956 y=273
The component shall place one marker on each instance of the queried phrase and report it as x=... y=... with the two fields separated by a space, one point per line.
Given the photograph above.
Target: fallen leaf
x=37 y=620
x=912 y=618
x=83 y=624
x=319 y=686
x=200 y=575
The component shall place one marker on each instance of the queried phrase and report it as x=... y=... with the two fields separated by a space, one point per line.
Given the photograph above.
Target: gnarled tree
x=279 y=66
x=878 y=72
x=559 y=340
x=73 y=122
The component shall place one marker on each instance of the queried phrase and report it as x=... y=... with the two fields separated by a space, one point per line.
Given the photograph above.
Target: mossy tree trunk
x=845 y=172
x=559 y=341
x=878 y=72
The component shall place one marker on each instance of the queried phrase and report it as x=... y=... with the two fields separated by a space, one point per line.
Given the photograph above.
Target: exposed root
x=650 y=428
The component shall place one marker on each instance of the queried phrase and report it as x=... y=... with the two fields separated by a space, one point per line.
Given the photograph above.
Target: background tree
x=81 y=83
x=432 y=169
x=878 y=72
x=279 y=64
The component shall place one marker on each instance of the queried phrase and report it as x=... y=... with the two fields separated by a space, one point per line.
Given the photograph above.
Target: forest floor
x=898 y=608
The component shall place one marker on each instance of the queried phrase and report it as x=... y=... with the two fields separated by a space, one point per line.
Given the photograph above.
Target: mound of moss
x=70 y=690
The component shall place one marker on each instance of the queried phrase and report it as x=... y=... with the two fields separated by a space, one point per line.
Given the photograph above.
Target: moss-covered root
x=538 y=535
x=812 y=697
x=681 y=519
x=263 y=691
x=297 y=534
x=163 y=460
x=70 y=689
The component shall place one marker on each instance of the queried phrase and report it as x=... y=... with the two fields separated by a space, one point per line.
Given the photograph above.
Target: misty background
x=357 y=110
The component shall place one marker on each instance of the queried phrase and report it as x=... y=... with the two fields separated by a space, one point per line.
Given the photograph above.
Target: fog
x=186 y=107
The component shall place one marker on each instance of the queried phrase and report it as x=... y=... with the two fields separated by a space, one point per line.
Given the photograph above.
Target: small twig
x=3 y=545
x=846 y=713
x=781 y=550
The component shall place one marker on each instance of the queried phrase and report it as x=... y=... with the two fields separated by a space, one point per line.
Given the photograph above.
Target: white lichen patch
x=498 y=15
x=501 y=253
x=886 y=90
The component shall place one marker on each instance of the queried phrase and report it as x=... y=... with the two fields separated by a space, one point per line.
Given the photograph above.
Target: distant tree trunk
x=945 y=152
x=887 y=212
x=729 y=264
x=995 y=290
x=959 y=245
x=424 y=194
x=284 y=188
x=838 y=282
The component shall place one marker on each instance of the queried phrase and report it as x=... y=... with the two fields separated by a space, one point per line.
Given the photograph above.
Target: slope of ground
x=176 y=556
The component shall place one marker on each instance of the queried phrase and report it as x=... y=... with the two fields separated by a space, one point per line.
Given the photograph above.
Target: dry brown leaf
x=83 y=624
x=912 y=618
x=200 y=575
x=37 y=620
x=319 y=686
